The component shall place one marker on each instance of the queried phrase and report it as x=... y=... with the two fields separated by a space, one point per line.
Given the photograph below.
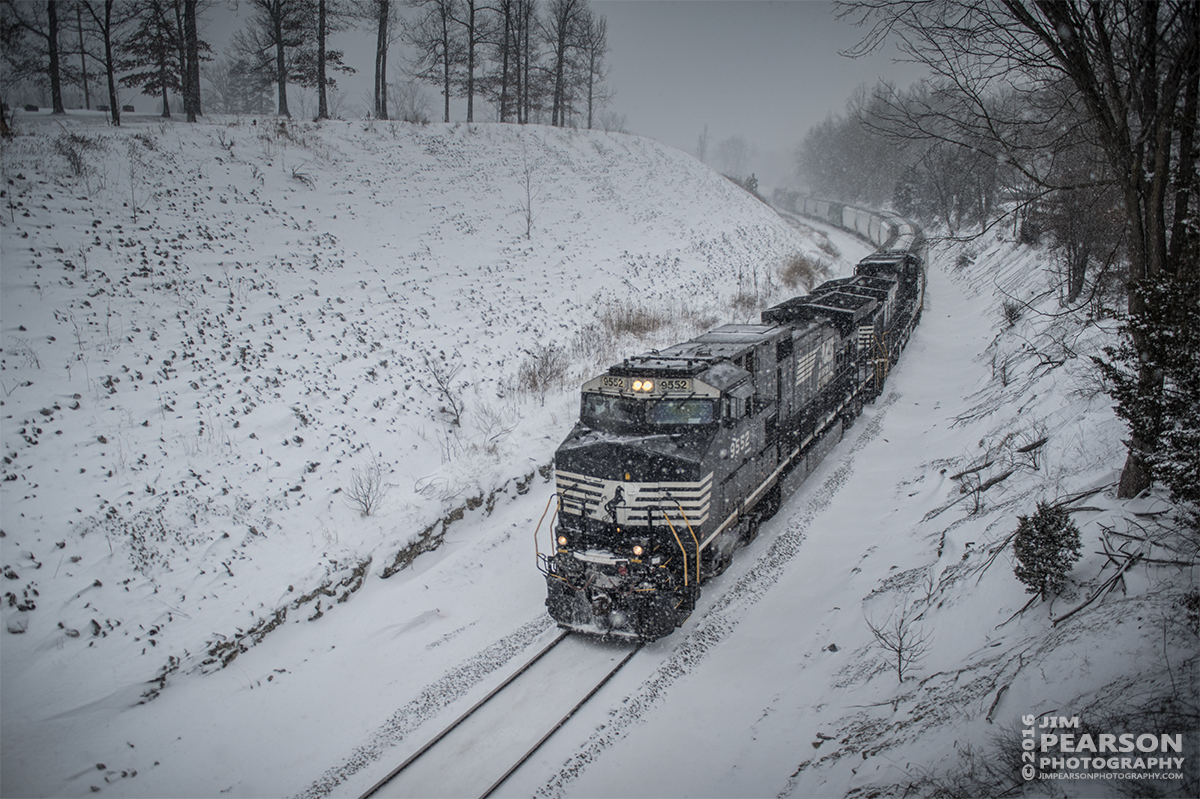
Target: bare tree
x=84 y=74
x=513 y=81
x=1133 y=66
x=562 y=31
x=323 y=29
x=410 y=101
x=29 y=33
x=191 y=71
x=367 y=487
x=527 y=55
x=108 y=20
x=439 y=50
x=506 y=54
x=276 y=29
x=702 y=146
x=474 y=19
x=383 y=15
x=594 y=44
x=1082 y=219
x=383 y=19
x=612 y=122
x=527 y=179
x=843 y=157
x=903 y=638
x=447 y=389
x=313 y=58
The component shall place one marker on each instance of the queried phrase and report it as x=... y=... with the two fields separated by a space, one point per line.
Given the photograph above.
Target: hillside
x=223 y=343
x=211 y=331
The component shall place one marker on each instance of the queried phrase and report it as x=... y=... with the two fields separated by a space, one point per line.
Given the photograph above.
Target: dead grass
x=800 y=272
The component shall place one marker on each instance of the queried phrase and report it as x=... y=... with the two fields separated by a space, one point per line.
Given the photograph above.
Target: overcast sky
x=763 y=70
x=766 y=71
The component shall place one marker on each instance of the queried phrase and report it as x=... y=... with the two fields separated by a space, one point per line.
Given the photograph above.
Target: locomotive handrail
x=681 y=549
x=881 y=345
x=538 y=552
x=694 y=540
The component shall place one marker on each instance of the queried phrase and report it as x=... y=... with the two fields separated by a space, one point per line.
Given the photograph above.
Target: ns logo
x=614 y=502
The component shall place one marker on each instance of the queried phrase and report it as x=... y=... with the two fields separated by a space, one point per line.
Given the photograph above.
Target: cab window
x=671 y=412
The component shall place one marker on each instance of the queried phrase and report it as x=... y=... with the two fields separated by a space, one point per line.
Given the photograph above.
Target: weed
x=80 y=151
x=544 y=367
x=625 y=317
x=799 y=272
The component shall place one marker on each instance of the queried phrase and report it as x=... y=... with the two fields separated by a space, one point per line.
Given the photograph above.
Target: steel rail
x=561 y=722
x=413 y=758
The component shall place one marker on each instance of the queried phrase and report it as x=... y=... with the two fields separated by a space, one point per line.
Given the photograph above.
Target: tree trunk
x=162 y=77
x=56 y=100
x=281 y=69
x=110 y=65
x=322 y=104
x=87 y=97
x=1181 y=234
x=446 y=55
x=591 y=88
x=381 y=48
x=191 y=77
x=471 y=61
x=506 y=43
x=526 y=58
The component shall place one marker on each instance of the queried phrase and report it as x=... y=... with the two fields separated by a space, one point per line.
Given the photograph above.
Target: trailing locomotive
x=680 y=454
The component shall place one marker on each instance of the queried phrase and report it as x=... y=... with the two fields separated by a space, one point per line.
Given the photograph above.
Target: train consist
x=680 y=454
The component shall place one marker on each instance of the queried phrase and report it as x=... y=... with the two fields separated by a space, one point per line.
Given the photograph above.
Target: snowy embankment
x=215 y=335
x=189 y=397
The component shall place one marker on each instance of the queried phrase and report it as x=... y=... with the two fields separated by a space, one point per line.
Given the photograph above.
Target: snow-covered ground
x=212 y=334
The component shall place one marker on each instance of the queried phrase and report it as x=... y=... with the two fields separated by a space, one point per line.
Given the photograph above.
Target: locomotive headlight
x=643 y=385
x=638 y=550
x=562 y=540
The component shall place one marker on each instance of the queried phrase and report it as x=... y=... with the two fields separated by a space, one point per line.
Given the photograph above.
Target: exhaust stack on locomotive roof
x=680 y=454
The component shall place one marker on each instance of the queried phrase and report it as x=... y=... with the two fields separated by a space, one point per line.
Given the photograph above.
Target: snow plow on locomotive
x=680 y=454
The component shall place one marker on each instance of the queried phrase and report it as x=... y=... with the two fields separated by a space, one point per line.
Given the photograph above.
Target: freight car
x=680 y=454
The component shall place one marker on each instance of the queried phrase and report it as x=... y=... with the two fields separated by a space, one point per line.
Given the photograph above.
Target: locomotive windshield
x=626 y=415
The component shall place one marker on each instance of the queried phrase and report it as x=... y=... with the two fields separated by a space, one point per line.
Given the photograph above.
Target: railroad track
x=484 y=746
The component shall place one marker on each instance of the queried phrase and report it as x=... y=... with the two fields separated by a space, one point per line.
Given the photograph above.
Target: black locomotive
x=679 y=454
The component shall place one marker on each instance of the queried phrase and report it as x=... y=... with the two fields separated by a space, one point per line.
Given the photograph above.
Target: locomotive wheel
x=751 y=531
x=717 y=565
x=771 y=502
